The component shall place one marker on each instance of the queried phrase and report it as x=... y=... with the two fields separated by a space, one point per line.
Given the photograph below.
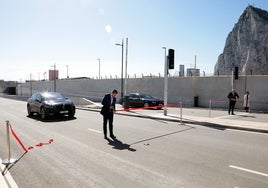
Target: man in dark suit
x=108 y=110
x=232 y=96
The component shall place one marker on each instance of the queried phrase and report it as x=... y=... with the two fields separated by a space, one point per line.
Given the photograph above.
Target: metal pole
x=195 y=85
x=99 y=67
x=20 y=87
x=125 y=92
x=31 y=86
x=67 y=71
x=232 y=80
x=122 y=70
x=8 y=160
x=122 y=67
x=209 y=113
x=165 y=82
x=54 y=77
x=8 y=140
x=181 y=113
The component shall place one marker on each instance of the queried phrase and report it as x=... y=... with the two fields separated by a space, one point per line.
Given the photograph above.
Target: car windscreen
x=53 y=96
x=146 y=96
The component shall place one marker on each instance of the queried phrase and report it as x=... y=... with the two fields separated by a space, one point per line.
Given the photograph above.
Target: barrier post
x=209 y=112
x=181 y=113
x=9 y=160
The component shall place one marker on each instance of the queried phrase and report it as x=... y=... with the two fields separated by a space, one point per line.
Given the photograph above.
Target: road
x=148 y=153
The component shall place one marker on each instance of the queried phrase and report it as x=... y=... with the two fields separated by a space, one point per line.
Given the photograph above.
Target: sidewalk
x=7 y=180
x=255 y=122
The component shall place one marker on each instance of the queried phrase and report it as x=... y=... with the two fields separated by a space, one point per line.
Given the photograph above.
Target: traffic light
x=171 y=59
x=236 y=73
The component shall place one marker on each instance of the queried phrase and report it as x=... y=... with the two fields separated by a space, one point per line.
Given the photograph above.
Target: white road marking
x=248 y=170
x=93 y=130
x=7 y=180
x=249 y=132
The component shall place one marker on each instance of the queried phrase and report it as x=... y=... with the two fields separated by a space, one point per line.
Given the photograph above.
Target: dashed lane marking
x=93 y=130
x=248 y=170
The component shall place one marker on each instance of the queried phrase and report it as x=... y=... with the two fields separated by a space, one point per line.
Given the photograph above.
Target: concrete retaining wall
x=179 y=89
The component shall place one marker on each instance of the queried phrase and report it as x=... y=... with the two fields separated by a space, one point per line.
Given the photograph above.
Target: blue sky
x=35 y=34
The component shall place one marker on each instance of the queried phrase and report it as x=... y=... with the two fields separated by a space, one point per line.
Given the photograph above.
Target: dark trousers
x=109 y=117
x=231 y=106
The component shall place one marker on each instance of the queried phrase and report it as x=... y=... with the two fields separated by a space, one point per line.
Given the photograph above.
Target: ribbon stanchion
x=11 y=162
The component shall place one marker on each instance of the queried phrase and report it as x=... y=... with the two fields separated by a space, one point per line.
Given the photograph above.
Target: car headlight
x=48 y=105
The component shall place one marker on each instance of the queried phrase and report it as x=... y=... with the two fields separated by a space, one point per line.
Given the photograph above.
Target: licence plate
x=64 y=112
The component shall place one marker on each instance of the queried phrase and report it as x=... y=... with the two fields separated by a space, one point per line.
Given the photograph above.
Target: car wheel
x=146 y=105
x=71 y=113
x=43 y=113
x=30 y=113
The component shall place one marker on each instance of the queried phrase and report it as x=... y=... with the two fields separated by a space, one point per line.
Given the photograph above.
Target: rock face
x=246 y=45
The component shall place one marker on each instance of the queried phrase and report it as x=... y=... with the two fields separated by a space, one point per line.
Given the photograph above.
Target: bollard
x=9 y=160
x=209 y=112
x=181 y=113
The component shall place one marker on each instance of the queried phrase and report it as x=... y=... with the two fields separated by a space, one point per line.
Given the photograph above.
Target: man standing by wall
x=108 y=110
x=246 y=101
x=232 y=96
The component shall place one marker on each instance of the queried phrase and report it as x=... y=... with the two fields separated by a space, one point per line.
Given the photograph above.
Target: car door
x=31 y=102
x=37 y=102
x=134 y=100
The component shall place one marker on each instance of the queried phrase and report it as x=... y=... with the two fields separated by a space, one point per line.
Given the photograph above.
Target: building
x=53 y=74
x=193 y=72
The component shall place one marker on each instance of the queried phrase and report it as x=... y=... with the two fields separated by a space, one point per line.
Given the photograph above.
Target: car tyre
x=146 y=105
x=71 y=113
x=30 y=113
x=43 y=113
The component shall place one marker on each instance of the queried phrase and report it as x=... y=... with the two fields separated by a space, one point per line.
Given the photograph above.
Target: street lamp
x=125 y=88
x=67 y=71
x=54 y=75
x=99 y=67
x=122 y=45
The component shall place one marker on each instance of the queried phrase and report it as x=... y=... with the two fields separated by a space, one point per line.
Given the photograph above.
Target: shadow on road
x=164 y=135
x=117 y=144
x=52 y=118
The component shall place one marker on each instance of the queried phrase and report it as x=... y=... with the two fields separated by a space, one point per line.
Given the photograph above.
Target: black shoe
x=113 y=137
x=233 y=114
x=105 y=137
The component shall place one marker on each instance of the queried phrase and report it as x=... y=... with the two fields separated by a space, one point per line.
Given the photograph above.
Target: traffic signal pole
x=165 y=82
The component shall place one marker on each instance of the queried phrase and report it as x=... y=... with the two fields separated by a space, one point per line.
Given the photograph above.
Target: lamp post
x=122 y=66
x=125 y=88
x=67 y=71
x=99 y=67
x=54 y=76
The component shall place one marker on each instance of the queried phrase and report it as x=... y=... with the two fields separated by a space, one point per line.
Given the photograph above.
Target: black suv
x=50 y=103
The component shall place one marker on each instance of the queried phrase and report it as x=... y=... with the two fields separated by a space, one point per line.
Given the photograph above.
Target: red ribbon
x=22 y=145
x=17 y=138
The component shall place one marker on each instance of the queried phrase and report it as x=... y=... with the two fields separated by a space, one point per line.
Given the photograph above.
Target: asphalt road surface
x=148 y=153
